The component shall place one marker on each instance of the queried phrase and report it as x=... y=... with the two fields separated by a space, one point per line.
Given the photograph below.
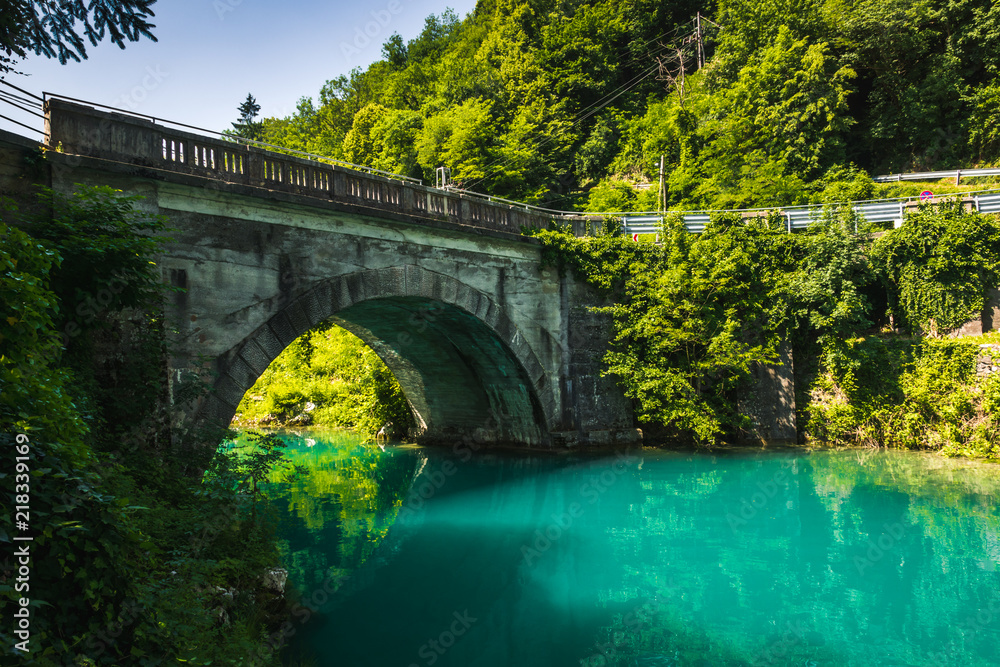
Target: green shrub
x=906 y=394
x=127 y=545
x=939 y=265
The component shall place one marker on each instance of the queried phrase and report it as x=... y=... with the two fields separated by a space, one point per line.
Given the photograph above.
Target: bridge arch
x=466 y=370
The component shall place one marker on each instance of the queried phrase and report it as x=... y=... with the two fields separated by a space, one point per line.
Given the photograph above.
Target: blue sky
x=211 y=53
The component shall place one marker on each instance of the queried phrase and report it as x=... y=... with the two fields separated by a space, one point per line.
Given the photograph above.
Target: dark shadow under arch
x=466 y=370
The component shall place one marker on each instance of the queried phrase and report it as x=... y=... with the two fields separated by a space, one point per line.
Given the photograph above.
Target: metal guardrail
x=651 y=224
x=800 y=217
x=957 y=174
x=989 y=203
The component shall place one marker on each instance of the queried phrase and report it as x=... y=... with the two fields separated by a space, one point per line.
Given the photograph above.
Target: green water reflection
x=337 y=508
x=658 y=558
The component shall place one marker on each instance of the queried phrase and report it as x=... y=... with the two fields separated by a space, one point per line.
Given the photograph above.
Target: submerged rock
x=274 y=580
x=302 y=419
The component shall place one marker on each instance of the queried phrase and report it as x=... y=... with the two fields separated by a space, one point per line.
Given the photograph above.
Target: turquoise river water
x=413 y=556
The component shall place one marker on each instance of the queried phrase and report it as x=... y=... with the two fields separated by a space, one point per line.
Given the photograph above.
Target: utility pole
x=663 y=195
x=676 y=81
x=701 y=49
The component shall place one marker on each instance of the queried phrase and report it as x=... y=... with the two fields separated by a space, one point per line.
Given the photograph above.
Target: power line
x=672 y=33
x=636 y=59
x=33 y=129
x=616 y=96
x=19 y=98
x=22 y=90
x=22 y=104
x=22 y=108
x=594 y=108
x=589 y=111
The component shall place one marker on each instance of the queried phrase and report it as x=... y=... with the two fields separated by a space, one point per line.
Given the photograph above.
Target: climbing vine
x=693 y=316
x=938 y=267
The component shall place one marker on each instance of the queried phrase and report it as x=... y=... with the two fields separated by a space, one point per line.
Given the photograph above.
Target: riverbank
x=920 y=394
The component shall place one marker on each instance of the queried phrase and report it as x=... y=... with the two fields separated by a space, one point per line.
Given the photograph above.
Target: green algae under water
x=413 y=556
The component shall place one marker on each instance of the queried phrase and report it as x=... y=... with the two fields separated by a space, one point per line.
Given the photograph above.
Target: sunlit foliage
x=327 y=377
x=552 y=102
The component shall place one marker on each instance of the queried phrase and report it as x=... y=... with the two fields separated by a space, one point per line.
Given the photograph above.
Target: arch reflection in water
x=828 y=558
x=339 y=505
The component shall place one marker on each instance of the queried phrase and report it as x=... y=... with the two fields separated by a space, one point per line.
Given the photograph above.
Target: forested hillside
x=569 y=103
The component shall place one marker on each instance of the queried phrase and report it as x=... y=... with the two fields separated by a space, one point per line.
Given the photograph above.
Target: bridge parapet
x=82 y=130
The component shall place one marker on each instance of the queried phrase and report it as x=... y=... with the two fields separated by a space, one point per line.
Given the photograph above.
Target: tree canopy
x=247 y=126
x=50 y=28
x=566 y=103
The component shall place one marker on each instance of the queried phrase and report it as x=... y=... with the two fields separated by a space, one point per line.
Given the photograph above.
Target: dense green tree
x=609 y=196
x=247 y=126
x=50 y=28
x=384 y=139
x=461 y=139
x=106 y=242
x=396 y=137
x=751 y=26
x=359 y=146
x=533 y=156
x=539 y=100
x=829 y=288
x=985 y=122
x=777 y=126
x=395 y=52
x=30 y=347
x=594 y=156
x=435 y=36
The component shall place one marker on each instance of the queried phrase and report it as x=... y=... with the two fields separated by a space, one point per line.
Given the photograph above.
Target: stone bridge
x=485 y=341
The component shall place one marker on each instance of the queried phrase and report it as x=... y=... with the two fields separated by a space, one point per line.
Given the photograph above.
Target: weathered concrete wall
x=19 y=172
x=486 y=343
x=770 y=401
x=988 y=320
x=592 y=402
